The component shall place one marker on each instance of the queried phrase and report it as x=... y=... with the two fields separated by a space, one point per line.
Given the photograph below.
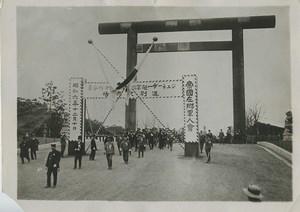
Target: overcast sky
x=52 y=45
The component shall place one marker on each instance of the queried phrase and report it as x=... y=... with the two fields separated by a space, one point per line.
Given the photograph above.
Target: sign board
x=186 y=88
x=190 y=108
x=139 y=89
x=75 y=108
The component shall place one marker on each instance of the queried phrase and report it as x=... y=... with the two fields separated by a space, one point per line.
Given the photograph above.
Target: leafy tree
x=54 y=100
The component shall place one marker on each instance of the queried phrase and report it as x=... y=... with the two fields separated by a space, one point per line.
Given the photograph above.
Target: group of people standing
x=29 y=144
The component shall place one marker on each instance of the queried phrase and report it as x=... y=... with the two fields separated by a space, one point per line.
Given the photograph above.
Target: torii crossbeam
x=235 y=24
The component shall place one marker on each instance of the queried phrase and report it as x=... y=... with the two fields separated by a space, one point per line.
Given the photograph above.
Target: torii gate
x=236 y=25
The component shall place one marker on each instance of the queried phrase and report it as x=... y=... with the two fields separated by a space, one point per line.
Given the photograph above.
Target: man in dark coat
x=208 y=146
x=125 y=147
x=24 y=150
x=63 y=143
x=141 y=144
x=160 y=141
x=78 y=152
x=52 y=166
x=202 y=140
x=93 y=148
x=119 y=141
x=109 y=151
x=209 y=134
x=221 y=137
x=35 y=145
x=150 y=136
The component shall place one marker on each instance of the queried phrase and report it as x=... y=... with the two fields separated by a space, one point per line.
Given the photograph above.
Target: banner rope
x=115 y=69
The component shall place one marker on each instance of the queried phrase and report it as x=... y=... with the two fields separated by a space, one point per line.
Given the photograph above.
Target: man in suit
x=24 y=150
x=202 y=140
x=141 y=144
x=93 y=148
x=109 y=151
x=52 y=166
x=119 y=141
x=150 y=136
x=221 y=137
x=208 y=146
x=63 y=143
x=125 y=147
x=78 y=152
x=35 y=145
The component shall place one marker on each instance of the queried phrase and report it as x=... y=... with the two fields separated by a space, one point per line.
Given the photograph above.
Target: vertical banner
x=75 y=107
x=190 y=108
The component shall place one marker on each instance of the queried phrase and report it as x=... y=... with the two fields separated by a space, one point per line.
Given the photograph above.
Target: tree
x=55 y=103
x=254 y=114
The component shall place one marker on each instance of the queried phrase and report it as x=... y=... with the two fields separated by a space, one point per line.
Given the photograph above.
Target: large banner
x=139 y=89
x=75 y=107
x=186 y=88
x=190 y=108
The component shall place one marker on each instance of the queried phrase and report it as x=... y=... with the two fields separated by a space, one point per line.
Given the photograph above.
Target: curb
x=278 y=150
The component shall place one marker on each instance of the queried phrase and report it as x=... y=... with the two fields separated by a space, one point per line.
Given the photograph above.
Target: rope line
x=89 y=120
x=115 y=69
x=107 y=60
x=111 y=109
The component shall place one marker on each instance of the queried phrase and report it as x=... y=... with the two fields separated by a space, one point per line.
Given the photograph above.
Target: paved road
x=162 y=175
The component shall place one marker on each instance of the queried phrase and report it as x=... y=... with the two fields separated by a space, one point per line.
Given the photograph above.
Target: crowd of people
x=126 y=141
x=28 y=147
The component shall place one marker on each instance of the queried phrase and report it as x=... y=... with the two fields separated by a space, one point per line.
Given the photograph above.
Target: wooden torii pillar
x=236 y=25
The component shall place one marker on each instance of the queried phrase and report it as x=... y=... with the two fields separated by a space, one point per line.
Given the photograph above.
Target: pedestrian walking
x=93 y=148
x=35 y=143
x=24 y=150
x=52 y=166
x=125 y=147
x=208 y=146
x=78 y=153
x=150 y=136
x=228 y=135
x=141 y=144
x=119 y=141
x=109 y=151
x=160 y=139
x=202 y=140
x=209 y=134
x=31 y=147
x=171 y=140
x=63 y=144
x=221 y=137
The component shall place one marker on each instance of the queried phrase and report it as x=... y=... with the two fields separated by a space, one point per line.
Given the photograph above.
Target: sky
x=52 y=46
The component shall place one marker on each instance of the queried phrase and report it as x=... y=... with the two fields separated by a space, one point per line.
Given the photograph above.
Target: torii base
x=191 y=149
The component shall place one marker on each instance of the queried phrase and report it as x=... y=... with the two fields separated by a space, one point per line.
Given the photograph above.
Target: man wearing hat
x=78 y=152
x=63 y=144
x=93 y=148
x=24 y=150
x=119 y=141
x=125 y=147
x=109 y=151
x=35 y=144
x=141 y=144
x=208 y=146
x=52 y=166
x=253 y=192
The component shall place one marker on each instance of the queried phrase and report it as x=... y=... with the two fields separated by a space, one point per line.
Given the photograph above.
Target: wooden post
x=238 y=80
x=130 y=110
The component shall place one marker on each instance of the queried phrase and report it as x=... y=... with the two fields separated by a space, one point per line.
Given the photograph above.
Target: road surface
x=162 y=175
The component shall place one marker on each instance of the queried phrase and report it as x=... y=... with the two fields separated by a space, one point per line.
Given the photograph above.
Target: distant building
x=264 y=129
